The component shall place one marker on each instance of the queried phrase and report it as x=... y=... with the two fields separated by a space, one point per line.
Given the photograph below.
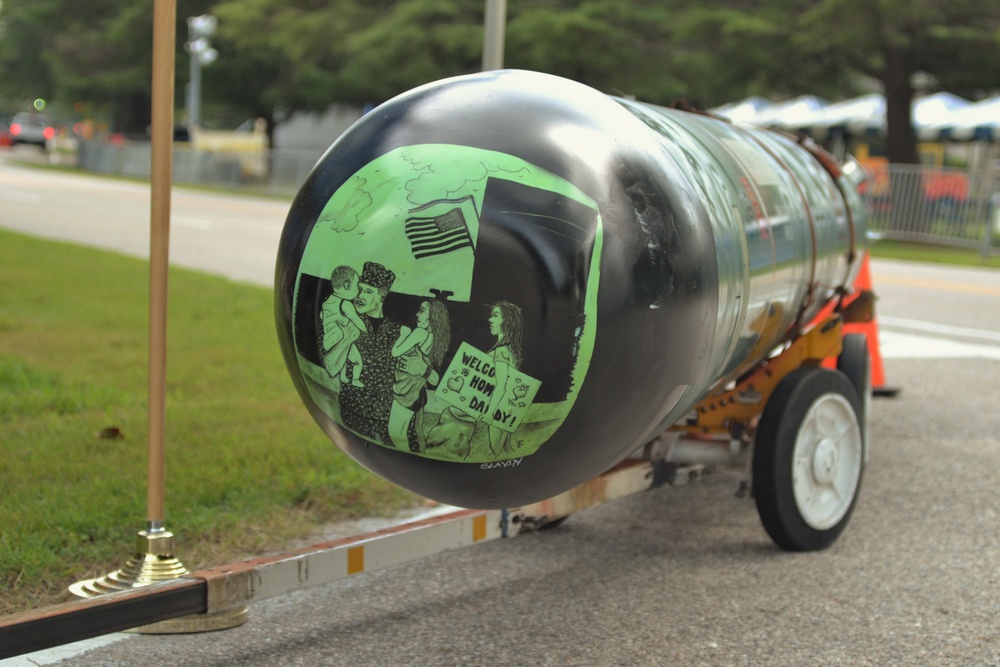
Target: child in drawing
x=342 y=326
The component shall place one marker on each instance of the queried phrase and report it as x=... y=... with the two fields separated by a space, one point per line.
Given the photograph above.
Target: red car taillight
x=15 y=129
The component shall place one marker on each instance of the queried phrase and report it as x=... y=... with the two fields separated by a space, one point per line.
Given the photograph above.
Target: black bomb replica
x=495 y=287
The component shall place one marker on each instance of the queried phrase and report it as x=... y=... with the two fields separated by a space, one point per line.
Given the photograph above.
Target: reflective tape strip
x=261 y=578
x=355 y=560
x=479 y=528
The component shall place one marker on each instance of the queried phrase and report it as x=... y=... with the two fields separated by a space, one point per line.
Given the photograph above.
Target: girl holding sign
x=507 y=324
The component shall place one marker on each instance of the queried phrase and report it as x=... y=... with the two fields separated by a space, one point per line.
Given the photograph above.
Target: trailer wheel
x=808 y=459
x=856 y=363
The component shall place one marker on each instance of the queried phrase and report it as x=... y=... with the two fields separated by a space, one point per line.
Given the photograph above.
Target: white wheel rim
x=826 y=464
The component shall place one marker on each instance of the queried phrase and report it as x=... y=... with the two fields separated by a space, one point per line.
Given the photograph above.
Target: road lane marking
x=903 y=338
x=22 y=197
x=192 y=223
x=934 y=328
x=896 y=345
x=946 y=285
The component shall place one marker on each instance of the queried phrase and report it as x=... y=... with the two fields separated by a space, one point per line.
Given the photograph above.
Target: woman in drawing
x=429 y=341
x=507 y=324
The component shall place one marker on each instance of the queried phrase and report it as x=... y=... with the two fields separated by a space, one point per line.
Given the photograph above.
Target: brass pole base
x=154 y=562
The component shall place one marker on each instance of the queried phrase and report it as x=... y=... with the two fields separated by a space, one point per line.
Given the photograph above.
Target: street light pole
x=200 y=29
x=194 y=93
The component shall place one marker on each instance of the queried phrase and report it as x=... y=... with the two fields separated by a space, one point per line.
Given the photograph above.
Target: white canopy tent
x=865 y=115
x=743 y=111
x=791 y=114
x=930 y=112
x=975 y=122
x=856 y=116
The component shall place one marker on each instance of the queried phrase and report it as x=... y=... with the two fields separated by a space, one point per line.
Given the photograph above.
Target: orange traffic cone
x=868 y=327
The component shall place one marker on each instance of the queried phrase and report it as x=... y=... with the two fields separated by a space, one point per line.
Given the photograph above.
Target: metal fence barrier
x=938 y=205
x=273 y=171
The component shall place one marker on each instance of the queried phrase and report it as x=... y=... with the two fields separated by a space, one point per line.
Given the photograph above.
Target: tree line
x=279 y=57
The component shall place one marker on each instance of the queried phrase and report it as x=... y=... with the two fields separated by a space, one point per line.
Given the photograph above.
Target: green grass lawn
x=920 y=252
x=247 y=469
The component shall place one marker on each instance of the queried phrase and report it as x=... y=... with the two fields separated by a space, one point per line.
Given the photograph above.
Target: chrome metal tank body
x=646 y=255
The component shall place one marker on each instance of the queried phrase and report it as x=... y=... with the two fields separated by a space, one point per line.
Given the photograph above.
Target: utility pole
x=494 y=26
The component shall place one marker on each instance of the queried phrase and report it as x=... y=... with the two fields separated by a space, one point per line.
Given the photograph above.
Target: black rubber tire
x=856 y=363
x=774 y=451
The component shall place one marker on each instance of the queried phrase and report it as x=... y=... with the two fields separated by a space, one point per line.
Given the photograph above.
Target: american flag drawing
x=441 y=229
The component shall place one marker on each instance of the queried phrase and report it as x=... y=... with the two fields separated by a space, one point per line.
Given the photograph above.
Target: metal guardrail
x=938 y=205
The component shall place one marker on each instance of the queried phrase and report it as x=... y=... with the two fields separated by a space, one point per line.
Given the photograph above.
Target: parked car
x=5 y=138
x=31 y=128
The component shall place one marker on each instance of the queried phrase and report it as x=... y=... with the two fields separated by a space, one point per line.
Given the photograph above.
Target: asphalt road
x=229 y=234
x=673 y=576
